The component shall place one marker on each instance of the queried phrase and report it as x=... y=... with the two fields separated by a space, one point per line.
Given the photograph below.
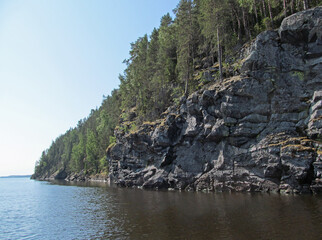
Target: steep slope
x=258 y=131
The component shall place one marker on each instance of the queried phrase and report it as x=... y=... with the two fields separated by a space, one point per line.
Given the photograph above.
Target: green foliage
x=266 y=23
x=259 y=27
x=133 y=127
x=103 y=165
x=187 y=31
x=299 y=75
x=82 y=148
x=92 y=156
x=112 y=139
x=78 y=155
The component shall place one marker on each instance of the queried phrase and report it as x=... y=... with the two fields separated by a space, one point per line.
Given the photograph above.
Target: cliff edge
x=257 y=131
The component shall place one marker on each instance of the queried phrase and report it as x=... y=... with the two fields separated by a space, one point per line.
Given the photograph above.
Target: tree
x=186 y=28
x=244 y=5
x=92 y=157
x=165 y=75
x=135 y=81
x=153 y=84
x=214 y=22
x=78 y=155
x=284 y=7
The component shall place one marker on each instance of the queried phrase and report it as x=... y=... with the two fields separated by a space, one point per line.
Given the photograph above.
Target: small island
x=16 y=176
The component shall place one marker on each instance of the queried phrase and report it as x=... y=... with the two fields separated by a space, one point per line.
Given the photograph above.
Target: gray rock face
x=259 y=131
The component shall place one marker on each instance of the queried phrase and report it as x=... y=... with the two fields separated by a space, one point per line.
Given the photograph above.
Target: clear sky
x=57 y=60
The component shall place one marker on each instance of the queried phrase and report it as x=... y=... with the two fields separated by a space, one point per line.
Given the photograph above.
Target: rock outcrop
x=258 y=131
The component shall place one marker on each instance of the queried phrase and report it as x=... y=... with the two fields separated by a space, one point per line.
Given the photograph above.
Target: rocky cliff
x=258 y=131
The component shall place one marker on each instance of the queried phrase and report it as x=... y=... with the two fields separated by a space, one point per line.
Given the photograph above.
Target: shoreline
x=96 y=179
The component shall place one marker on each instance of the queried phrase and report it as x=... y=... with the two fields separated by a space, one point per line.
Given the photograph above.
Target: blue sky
x=57 y=59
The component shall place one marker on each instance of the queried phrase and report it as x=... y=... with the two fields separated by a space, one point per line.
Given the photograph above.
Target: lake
x=43 y=210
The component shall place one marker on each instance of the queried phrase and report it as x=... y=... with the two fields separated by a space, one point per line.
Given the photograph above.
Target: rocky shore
x=75 y=177
x=260 y=130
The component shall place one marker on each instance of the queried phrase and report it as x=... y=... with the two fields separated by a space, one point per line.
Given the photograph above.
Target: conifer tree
x=92 y=156
x=166 y=63
x=186 y=30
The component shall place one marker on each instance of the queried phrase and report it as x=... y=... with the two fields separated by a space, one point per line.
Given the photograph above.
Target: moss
x=124 y=115
x=198 y=75
x=112 y=139
x=298 y=74
x=200 y=85
x=124 y=127
x=237 y=65
x=133 y=128
x=110 y=146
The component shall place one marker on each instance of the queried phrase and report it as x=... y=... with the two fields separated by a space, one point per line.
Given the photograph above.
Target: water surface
x=42 y=210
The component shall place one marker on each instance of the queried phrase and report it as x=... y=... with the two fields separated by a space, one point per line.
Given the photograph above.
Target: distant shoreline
x=15 y=176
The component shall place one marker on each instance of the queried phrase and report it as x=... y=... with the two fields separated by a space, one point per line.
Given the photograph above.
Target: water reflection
x=175 y=215
x=117 y=213
x=139 y=214
x=60 y=210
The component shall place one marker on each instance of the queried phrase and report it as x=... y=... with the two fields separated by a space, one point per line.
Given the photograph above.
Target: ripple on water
x=41 y=210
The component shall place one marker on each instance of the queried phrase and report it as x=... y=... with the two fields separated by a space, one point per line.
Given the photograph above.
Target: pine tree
x=165 y=75
x=92 y=156
x=214 y=22
x=186 y=28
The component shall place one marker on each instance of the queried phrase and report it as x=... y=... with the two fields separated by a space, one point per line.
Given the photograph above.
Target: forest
x=184 y=53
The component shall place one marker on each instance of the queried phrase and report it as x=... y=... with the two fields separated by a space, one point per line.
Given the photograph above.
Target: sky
x=57 y=60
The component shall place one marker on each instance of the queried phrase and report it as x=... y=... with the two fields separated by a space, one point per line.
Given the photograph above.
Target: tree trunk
x=255 y=10
x=186 y=84
x=270 y=12
x=190 y=53
x=261 y=11
x=238 y=23
x=219 y=54
x=233 y=23
x=247 y=31
x=305 y=4
x=162 y=94
x=239 y=28
x=292 y=6
x=264 y=8
x=285 y=10
x=298 y=5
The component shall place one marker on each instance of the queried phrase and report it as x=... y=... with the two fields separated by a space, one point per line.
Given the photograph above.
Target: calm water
x=41 y=210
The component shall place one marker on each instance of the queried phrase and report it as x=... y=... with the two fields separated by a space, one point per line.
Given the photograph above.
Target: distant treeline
x=162 y=68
